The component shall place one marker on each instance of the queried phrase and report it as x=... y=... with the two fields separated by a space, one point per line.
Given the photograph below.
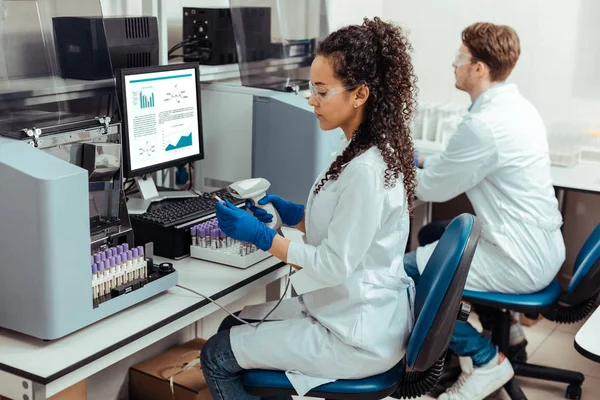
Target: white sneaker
x=479 y=383
x=517 y=336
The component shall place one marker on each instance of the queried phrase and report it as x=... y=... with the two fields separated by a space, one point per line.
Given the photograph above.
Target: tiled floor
x=551 y=344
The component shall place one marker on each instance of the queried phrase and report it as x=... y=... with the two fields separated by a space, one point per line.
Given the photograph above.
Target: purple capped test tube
x=193 y=234
x=141 y=252
x=119 y=249
x=203 y=241
x=125 y=246
x=97 y=258
x=213 y=239
x=223 y=239
x=134 y=253
x=103 y=256
x=94 y=268
x=205 y=238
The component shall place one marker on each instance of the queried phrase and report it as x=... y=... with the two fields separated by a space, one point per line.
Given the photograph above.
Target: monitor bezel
x=121 y=74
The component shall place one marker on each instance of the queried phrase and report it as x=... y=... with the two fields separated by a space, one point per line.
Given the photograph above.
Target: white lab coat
x=354 y=314
x=499 y=157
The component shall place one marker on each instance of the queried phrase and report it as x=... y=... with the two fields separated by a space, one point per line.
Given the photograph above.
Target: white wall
x=116 y=8
x=558 y=69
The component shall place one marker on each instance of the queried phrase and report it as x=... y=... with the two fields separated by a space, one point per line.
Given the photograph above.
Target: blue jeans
x=465 y=341
x=220 y=368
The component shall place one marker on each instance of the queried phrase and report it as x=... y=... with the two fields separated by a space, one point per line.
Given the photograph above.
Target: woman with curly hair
x=353 y=316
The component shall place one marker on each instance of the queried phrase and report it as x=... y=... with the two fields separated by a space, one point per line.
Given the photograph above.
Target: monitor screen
x=162 y=117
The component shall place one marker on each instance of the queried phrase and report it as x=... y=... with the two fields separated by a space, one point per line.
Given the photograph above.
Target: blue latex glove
x=240 y=225
x=291 y=213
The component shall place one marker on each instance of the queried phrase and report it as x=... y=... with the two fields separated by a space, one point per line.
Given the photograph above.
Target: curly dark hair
x=376 y=54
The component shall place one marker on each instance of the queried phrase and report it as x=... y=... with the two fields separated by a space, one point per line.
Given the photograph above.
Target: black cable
x=191 y=173
x=129 y=182
x=254 y=324
x=181 y=44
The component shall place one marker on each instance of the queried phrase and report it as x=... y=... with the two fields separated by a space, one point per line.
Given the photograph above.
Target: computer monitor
x=162 y=124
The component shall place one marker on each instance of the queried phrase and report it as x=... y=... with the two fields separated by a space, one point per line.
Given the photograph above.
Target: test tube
x=113 y=272
x=125 y=247
x=217 y=198
x=143 y=260
x=118 y=262
x=200 y=239
x=129 y=265
x=207 y=242
x=119 y=249
x=138 y=272
x=101 y=276
x=94 y=279
x=222 y=241
x=214 y=238
x=202 y=236
x=194 y=233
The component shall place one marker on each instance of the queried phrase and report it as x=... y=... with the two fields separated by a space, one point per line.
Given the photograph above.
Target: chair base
x=500 y=337
x=267 y=392
x=574 y=379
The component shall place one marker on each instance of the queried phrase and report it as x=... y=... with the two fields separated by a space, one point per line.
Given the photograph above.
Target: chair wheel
x=573 y=392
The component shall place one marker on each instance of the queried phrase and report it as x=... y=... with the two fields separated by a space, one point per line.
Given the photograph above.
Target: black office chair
x=437 y=306
x=562 y=306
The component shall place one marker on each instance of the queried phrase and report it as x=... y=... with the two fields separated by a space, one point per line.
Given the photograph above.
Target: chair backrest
x=585 y=282
x=439 y=292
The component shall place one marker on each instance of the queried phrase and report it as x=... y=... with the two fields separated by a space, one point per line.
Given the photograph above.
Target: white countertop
x=587 y=341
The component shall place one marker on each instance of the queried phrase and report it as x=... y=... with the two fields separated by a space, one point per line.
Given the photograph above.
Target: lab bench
x=36 y=369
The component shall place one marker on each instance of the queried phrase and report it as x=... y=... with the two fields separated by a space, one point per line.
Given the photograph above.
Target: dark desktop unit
x=92 y=48
x=212 y=36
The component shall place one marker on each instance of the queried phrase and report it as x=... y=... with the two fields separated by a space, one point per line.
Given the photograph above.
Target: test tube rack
x=117 y=267
x=211 y=244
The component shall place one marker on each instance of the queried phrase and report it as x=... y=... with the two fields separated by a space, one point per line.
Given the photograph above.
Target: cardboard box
x=530 y=322
x=149 y=380
x=76 y=392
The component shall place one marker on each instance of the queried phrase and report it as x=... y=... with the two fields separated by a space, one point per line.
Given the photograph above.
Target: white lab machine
x=68 y=254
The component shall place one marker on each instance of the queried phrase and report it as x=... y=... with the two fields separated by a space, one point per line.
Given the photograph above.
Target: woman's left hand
x=241 y=225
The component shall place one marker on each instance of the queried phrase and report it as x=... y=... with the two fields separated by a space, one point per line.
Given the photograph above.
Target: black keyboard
x=173 y=212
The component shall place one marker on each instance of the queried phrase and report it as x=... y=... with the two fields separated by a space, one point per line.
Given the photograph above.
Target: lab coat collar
x=490 y=93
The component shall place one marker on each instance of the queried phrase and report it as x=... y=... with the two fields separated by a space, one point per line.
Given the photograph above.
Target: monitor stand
x=149 y=194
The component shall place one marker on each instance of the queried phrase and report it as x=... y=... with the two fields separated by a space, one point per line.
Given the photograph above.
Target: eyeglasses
x=323 y=94
x=461 y=59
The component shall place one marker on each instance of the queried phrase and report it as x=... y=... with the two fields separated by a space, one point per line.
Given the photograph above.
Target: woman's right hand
x=291 y=214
